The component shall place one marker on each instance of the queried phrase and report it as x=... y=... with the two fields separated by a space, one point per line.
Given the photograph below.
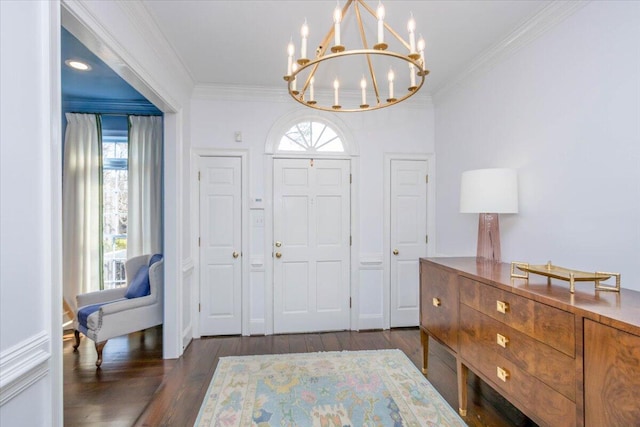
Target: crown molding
x=141 y=14
x=540 y=23
x=218 y=92
x=90 y=105
x=83 y=19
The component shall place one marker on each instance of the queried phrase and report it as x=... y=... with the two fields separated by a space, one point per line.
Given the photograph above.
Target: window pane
x=115 y=212
x=311 y=136
x=108 y=149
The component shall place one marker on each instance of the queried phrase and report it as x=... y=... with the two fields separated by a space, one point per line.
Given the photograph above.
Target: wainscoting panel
x=371 y=304
x=188 y=268
x=23 y=365
x=257 y=302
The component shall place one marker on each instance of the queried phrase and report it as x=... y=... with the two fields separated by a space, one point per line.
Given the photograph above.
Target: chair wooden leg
x=99 y=347
x=76 y=333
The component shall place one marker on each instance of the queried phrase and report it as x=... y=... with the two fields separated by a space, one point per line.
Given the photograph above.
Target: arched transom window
x=311 y=136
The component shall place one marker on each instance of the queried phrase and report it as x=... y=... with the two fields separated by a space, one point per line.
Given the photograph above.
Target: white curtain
x=81 y=198
x=144 y=222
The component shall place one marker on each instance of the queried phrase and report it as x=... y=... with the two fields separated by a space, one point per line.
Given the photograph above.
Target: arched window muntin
x=311 y=136
x=304 y=134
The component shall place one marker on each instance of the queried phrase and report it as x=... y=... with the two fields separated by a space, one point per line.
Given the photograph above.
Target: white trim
x=187 y=266
x=371 y=321
x=257 y=327
x=23 y=365
x=268 y=244
x=81 y=18
x=371 y=261
x=145 y=20
x=355 y=243
x=52 y=238
x=431 y=225
x=546 y=19
x=243 y=154
x=172 y=205
x=187 y=336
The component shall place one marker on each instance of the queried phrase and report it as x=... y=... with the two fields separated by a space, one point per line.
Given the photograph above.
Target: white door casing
x=220 y=246
x=408 y=238
x=311 y=223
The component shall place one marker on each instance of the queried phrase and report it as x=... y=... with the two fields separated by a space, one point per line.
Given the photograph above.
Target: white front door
x=408 y=238
x=311 y=211
x=220 y=246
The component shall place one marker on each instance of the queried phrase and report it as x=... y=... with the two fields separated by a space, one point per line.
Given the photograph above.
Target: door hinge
x=350 y=240
x=350 y=179
x=349 y=302
x=426 y=238
x=198 y=242
x=198 y=307
x=427 y=179
x=198 y=175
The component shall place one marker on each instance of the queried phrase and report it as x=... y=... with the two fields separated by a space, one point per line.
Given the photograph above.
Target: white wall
x=30 y=343
x=216 y=115
x=564 y=111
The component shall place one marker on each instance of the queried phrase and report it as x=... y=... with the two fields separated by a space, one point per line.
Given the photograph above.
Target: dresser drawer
x=549 y=365
x=544 y=404
x=439 y=304
x=547 y=324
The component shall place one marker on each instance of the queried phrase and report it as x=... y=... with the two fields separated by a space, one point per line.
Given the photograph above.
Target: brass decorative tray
x=572 y=276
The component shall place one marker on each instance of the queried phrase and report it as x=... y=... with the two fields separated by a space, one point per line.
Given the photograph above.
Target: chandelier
x=315 y=80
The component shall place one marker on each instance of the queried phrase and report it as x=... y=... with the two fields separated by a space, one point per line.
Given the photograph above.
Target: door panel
x=408 y=239
x=312 y=226
x=220 y=238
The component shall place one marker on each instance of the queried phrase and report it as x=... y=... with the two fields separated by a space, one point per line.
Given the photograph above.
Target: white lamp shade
x=489 y=191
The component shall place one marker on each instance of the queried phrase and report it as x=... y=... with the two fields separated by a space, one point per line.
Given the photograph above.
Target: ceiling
x=243 y=42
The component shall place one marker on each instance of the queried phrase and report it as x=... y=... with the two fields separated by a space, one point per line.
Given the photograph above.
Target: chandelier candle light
x=359 y=60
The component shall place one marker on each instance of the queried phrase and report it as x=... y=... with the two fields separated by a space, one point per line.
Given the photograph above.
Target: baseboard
x=187 y=336
x=371 y=321
x=256 y=327
x=23 y=364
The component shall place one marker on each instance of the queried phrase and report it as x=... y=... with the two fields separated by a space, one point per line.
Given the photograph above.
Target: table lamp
x=489 y=192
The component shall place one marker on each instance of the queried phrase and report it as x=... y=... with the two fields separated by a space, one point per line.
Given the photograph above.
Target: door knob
x=235 y=254
x=396 y=252
x=278 y=244
x=278 y=254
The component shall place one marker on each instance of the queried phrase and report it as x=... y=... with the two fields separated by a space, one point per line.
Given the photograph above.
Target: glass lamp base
x=488 y=237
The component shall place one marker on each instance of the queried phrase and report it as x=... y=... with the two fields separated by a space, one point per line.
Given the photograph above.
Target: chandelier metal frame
x=339 y=51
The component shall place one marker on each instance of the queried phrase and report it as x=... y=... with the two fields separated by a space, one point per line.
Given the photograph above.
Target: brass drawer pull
x=502 y=306
x=502 y=340
x=436 y=302
x=503 y=374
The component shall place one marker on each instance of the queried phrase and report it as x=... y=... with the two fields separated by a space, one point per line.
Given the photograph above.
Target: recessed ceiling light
x=77 y=65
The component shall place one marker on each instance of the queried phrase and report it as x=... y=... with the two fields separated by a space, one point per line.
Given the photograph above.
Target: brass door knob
x=396 y=252
x=278 y=254
x=235 y=254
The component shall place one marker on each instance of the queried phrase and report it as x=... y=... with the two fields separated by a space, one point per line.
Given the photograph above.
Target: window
x=309 y=135
x=115 y=150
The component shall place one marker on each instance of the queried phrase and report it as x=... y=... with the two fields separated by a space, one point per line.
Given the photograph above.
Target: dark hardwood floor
x=135 y=386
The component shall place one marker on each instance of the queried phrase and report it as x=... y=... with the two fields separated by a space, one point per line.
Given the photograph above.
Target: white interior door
x=408 y=239
x=220 y=246
x=311 y=214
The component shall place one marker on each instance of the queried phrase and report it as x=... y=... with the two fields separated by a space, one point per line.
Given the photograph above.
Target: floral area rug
x=327 y=389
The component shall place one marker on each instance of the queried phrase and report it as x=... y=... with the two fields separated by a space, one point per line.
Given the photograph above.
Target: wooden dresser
x=563 y=359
